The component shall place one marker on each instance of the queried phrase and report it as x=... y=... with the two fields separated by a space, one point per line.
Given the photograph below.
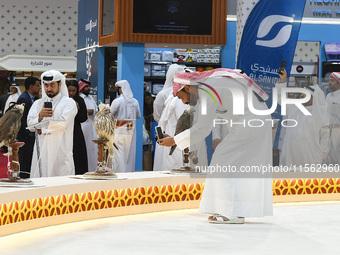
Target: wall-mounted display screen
x=190 y=17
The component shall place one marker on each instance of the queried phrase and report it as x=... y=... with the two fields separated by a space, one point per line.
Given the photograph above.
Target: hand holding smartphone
x=282 y=67
x=159 y=132
x=46 y=111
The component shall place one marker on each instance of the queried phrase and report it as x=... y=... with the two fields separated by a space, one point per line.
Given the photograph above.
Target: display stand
x=185 y=168
x=14 y=178
x=100 y=171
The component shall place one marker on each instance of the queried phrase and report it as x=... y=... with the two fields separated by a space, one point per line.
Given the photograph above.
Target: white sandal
x=220 y=220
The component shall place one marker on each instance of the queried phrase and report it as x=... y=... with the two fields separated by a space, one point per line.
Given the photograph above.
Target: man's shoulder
x=24 y=95
x=67 y=103
x=117 y=99
x=87 y=98
x=160 y=95
x=330 y=97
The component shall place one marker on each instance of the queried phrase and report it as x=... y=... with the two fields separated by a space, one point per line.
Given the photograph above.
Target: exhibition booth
x=112 y=46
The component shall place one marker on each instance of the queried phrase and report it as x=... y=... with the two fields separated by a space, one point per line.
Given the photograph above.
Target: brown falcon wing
x=9 y=126
x=184 y=122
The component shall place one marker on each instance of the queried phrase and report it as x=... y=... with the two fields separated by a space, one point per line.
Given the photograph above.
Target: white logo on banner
x=90 y=25
x=283 y=35
x=89 y=53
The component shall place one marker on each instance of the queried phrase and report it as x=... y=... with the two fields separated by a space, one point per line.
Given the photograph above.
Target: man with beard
x=229 y=196
x=87 y=126
x=15 y=93
x=125 y=110
x=56 y=141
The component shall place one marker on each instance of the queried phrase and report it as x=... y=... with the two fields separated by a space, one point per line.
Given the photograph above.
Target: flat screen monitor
x=189 y=17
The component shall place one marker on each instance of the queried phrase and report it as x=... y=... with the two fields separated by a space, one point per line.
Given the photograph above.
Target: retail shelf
x=154 y=77
x=184 y=63
x=200 y=64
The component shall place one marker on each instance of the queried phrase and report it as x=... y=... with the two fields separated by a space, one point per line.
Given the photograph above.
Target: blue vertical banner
x=269 y=37
x=130 y=67
x=87 y=53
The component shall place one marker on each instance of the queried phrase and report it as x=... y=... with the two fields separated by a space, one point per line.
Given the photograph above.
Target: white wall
x=40 y=2
x=36 y=27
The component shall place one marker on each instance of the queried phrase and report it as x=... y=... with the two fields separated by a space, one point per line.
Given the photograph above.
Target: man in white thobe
x=229 y=199
x=174 y=108
x=159 y=103
x=125 y=110
x=306 y=143
x=87 y=126
x=15 y=93
x=55 y=140
x=167 y=110
x=333 y=102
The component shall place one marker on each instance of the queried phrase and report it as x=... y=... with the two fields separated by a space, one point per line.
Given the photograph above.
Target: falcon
x=104 y=124
x=184 y=122
x=10 y=124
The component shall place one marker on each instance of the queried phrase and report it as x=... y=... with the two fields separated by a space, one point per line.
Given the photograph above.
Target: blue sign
x=269 y=37
x=87 y=56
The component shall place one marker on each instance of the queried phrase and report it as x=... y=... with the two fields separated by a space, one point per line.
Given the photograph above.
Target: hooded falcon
x=184 y=122
x=10 y=124
x=104 y=124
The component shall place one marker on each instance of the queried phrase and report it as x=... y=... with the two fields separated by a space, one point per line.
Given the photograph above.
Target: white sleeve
x=33 y=114
x=69 y=111
x=183 y=139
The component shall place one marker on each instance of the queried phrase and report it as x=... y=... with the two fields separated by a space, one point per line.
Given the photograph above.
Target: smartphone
x=159 y=132
x=282 y=67
x=48 y=105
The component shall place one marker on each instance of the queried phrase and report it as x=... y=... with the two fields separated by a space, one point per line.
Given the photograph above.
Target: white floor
x=299 y=228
